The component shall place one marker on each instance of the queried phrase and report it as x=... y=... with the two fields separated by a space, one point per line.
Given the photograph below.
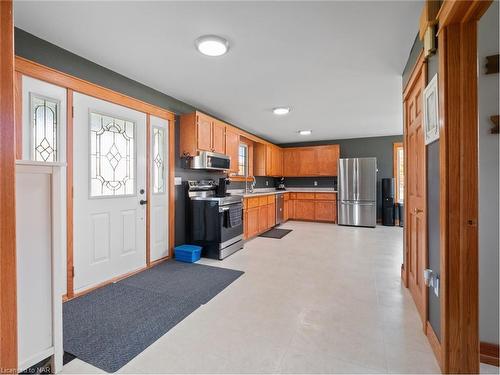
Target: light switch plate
x=178 y=181
x=315 y=183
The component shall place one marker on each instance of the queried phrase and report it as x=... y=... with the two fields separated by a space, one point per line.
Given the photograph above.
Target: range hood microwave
x=210 y=161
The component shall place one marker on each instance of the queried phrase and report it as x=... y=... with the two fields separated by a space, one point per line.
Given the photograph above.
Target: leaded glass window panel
x=44 y=128
x=158 y=160
x=112 y=156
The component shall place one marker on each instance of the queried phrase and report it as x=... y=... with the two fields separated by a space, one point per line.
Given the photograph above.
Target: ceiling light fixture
x=305 y=132
x=212 y=45
x=281 y=111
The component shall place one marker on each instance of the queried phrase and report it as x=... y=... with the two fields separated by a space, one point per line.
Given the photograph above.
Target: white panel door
x=109 y=186
x=159 y=188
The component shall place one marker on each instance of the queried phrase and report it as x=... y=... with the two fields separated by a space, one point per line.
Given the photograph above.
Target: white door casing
x=109 y=221
x=159 y=188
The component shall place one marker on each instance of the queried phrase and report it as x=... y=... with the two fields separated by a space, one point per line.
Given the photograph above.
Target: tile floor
x=324 y=299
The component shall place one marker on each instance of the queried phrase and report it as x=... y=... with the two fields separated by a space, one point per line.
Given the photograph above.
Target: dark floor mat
x=275 y=233
x=111 y=325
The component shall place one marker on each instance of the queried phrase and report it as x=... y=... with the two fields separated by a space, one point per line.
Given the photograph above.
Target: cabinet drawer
x=326 y=196
x=263 y=201
x=252 y=202
x=287 y=196
x=305 y=195
x=271 y=199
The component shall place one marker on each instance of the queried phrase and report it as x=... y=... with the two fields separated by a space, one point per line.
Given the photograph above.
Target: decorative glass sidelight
x=44 y=128
x=112 y=156
x=158 y=159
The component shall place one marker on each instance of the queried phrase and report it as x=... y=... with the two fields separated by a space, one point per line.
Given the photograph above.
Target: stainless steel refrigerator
x=357 y=195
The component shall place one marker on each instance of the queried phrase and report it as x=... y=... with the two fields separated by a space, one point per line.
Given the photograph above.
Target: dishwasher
x=280 y=206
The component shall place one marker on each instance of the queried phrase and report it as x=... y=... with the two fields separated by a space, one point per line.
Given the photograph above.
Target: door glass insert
x=112 y=156
x=158 y=159
x=44 y=124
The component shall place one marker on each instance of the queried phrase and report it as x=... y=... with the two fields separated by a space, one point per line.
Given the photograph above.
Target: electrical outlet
x=178 y=181
x=315 y=183
x=267 y=183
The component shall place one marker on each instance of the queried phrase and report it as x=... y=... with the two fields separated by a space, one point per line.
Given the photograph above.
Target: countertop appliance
x=222 y=187
x=357 y=192
x=210 y=161
x=215 y=223
x=281 y=184
x=280 y=206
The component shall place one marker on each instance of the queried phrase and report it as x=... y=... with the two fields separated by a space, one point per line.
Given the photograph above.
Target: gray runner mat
x=113 y=324
x=275 y=233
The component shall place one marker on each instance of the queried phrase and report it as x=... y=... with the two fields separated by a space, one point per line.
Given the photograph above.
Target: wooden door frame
x=458 y=165
x=74 y=84
x=8 y=281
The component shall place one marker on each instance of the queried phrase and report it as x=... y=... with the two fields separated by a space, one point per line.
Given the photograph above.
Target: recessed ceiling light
x=212 y=45
x=281 y=110
x=305 y=132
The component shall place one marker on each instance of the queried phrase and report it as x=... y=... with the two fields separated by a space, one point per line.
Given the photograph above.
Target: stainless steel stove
x=215 y=223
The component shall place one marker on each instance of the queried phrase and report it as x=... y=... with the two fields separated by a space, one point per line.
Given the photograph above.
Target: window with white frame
x=243 y=160
x=44 y=128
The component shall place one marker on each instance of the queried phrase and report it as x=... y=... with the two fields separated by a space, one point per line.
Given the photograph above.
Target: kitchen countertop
x=269 y=191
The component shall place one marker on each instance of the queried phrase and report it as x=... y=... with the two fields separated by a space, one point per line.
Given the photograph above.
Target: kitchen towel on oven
x=234 y=215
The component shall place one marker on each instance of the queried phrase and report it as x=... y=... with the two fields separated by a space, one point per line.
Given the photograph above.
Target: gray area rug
x=275 y=233
x=111 y=325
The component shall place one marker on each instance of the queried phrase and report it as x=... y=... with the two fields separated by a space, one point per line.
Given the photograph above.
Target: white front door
x=109 y=148
x=159 y=188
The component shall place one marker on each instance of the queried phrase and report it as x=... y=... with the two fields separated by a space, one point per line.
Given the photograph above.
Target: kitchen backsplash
x=311 y=182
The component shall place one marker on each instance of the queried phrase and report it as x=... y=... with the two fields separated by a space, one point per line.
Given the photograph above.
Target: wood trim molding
x=458 y=196
x=58 y=78
x=171 y=187
x=69 y=195
x=489 y=353
x=18 y=105
x=8 y=285
x=435 y=344
x=414 y=74
x=148 y=189
x=455 y=12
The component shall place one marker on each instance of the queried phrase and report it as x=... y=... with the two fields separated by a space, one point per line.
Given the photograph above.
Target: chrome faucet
x=252 y=186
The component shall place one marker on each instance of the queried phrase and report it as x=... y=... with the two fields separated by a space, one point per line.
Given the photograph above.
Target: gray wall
x=432 y=182
x=379 y=147
x=488 y=103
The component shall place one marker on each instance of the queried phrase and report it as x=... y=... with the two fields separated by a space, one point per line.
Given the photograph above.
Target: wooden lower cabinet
x=260 y=211
x=304 y=209
x=325 y=211
x=271 y=215
x=252 y=222
x=263 y=218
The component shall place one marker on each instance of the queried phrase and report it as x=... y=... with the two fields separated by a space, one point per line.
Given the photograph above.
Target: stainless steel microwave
x=211 y=161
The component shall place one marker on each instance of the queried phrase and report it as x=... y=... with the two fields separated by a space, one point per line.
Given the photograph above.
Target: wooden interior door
x=416 y=227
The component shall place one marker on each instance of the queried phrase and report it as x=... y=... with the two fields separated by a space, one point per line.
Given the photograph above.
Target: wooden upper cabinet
x=327 y=157
x=233 y=148
x=200 y=132
x=218 y=137
x=268 y=160
x=204 y=132
x=311 y=161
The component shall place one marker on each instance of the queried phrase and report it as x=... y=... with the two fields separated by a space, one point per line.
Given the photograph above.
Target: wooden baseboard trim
x=435 y=344
x=66 y=298
x=489 y=353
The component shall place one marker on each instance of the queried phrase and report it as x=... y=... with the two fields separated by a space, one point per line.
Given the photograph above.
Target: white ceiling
x=338 y=65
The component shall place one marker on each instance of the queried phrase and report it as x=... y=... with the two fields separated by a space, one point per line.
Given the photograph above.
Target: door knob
x=143 y=202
